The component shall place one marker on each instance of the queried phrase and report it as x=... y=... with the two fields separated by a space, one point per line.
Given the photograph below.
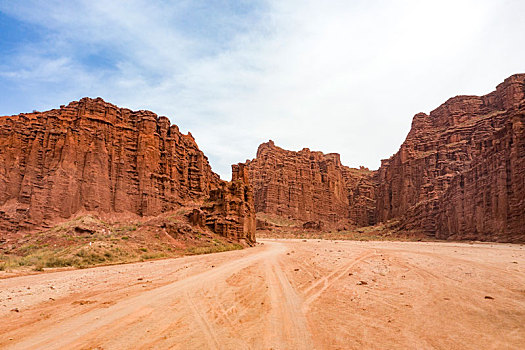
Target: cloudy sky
x=335 y=76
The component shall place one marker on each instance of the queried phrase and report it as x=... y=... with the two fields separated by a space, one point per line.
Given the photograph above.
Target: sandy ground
x=282 y=294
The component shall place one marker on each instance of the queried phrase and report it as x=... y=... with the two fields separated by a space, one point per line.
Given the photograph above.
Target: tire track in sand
x=328 y=280
x=98 y=321
x=288 y=324
x=201 y=318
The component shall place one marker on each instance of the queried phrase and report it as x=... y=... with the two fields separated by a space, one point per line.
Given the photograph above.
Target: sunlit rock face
x=311 y=187
x=92 y=156
x=460 y=173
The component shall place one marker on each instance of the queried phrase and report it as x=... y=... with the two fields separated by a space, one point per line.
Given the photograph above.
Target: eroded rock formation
x=312 y=187
x=231 y=211
x=460 y=174
x=92 y=156
x=461 y=171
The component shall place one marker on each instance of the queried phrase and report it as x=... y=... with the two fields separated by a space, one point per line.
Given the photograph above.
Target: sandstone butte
x=93 y=157
x=460 y=174
x=312 y=187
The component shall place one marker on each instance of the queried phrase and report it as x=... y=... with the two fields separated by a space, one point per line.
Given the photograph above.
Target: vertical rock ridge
x=311 y=186
x=460 y=172
x=93 y=156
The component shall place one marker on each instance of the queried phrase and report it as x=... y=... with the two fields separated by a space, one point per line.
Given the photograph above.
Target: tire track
x=328 y=281
x=255 y=300
x=96 y=321
x=204 y=324
x=288 y=324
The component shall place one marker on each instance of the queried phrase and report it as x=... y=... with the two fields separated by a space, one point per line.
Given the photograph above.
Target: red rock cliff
x=461 y=171
x=96 y=157
x=311 y=186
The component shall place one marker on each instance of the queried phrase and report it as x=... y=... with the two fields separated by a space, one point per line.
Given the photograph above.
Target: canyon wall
x=92 y=156
x=460 y=173
x=311 y=187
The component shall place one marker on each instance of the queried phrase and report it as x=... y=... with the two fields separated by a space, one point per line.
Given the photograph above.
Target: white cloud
x=335 y=76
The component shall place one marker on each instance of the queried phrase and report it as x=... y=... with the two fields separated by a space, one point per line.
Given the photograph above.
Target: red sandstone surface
x=312 y=187
x=460 y=173
x=93 y=157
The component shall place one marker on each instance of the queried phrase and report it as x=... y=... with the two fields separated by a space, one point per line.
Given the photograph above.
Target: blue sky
x=335 y=76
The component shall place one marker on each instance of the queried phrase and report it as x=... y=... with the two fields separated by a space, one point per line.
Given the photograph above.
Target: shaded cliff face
x=311 y=186
x=461 y=171
x=92 y=156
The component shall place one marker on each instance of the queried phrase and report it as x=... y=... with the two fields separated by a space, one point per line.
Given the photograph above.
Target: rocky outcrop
x=312 y=187
x=92 y=156
x=230 y=211
x=487 y=200
x=460 y=173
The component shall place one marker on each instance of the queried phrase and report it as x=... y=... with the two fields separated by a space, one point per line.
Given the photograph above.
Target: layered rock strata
x=92 y=156
x=231 y=211
x=312 y=187
x=460 y=174
x=461 y=171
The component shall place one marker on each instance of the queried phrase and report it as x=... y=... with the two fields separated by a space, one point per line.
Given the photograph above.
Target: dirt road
x=279 y=295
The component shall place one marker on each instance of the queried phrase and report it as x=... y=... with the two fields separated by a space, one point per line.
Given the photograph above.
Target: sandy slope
x=280 y=295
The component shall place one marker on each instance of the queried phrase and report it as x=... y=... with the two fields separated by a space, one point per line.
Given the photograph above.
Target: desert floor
x=281 y=294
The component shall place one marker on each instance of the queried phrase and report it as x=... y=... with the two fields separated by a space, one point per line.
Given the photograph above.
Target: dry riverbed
x=281 y=294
